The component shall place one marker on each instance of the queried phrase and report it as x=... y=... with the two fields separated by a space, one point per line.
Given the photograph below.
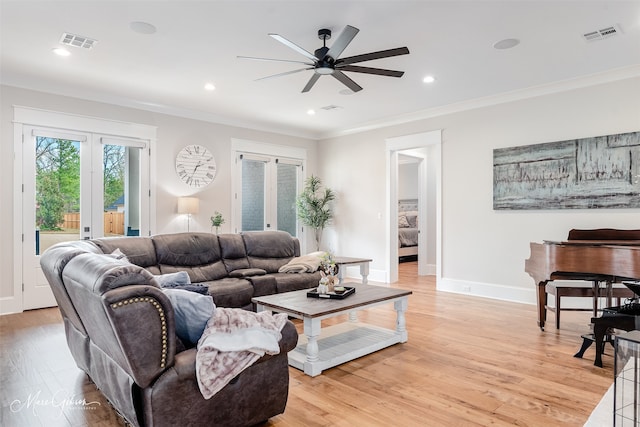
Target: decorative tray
x=348 y=290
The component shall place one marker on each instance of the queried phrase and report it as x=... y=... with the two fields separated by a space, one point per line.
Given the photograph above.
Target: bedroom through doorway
x=408 y=206
x=414 y=199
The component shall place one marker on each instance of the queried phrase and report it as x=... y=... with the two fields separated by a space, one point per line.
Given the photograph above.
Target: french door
x=78 y=185
x=267 y=193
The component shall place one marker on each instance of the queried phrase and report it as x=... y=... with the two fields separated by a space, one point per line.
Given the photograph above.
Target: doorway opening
x=414 y=202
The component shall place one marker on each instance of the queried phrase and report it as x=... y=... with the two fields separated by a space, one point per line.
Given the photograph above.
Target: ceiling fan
x=327 y=61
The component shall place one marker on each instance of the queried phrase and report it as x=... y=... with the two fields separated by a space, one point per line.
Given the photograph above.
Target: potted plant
x=217 y=220
x=313 y=206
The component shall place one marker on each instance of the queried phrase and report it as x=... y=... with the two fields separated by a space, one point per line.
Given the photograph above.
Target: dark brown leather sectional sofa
x=235 y=267
x=120 y=325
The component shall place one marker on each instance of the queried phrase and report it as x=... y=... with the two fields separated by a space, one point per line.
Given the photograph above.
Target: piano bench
x=560 y=290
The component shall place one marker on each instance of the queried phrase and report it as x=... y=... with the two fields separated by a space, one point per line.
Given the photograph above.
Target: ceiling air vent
x=602 y=34
x=331 y=107
x=77 y=41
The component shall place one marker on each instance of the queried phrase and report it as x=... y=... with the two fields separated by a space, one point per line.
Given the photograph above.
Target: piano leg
x=586 y=343
x=542 y=303
x=600 y=327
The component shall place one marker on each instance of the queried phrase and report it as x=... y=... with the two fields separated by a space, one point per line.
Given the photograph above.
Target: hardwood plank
x=469 y=361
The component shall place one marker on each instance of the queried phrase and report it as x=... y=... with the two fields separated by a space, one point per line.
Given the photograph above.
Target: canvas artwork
x=587 y=173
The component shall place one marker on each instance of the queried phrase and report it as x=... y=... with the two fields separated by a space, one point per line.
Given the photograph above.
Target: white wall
x=483 y=250
x=408 y=181
x=173 y=134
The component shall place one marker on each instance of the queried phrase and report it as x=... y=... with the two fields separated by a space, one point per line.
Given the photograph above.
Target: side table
x=345 y=261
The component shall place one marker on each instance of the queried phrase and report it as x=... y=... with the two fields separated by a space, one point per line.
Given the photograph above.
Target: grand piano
x=600 y=255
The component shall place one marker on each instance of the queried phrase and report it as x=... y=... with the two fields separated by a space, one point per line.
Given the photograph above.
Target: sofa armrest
x=185 y=362
x=289 y=339
x=247 y=272
x=142 y=320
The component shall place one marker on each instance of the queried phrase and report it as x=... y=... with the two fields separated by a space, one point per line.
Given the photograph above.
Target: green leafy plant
x=217 y=220
x=313 y=206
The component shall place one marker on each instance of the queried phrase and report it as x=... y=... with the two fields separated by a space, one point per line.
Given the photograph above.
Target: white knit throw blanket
x=232 y=341
x=303 y=264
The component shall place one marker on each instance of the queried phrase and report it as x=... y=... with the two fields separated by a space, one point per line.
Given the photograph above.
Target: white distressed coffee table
x=322 y=348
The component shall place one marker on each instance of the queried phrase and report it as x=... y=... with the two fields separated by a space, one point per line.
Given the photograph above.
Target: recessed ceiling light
x=506 y=44
x=311 y=112
x=61 y=51
x=209 y=86
x=429 y=79
x=142 y=27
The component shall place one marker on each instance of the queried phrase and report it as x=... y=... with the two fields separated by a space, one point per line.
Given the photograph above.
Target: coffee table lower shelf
x=341 y=343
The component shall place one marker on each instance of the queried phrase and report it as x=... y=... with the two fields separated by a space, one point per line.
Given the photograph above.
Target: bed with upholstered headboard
x=407 y=227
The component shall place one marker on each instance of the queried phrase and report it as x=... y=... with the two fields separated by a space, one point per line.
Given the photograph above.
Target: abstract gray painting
x=598 y=172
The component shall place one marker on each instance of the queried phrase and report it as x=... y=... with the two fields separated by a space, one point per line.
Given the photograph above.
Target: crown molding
x=501 y=98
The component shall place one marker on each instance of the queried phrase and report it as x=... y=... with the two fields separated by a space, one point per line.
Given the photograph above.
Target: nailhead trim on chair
x=158 y=307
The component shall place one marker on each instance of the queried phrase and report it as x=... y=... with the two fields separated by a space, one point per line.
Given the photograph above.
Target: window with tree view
x=57 y=191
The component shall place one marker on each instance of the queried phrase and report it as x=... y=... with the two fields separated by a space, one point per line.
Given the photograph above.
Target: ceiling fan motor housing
x=325 y=63
x=324 y=34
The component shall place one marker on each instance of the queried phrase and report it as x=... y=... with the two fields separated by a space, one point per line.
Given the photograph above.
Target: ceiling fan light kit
x=326 y=61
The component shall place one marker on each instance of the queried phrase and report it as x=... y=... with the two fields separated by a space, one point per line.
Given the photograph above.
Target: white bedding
x=407 y=237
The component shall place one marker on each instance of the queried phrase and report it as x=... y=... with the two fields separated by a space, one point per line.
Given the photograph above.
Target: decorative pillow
x=192 y=312
x=172 y=280
x=413 y=221
x=180 y=280
x=402 y=221
x=118 y=254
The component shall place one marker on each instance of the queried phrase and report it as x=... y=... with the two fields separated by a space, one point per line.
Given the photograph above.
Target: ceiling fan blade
x=284 y=74
x=342 y=41
x=342 y=78
x=311 y=82
x=294 y=46
x=368 y=70
x=253 y=58
x=373 y=55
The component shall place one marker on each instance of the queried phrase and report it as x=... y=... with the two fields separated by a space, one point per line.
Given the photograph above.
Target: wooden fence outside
x=113 y=222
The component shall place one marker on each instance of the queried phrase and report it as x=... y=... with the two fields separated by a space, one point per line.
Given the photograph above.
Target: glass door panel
x=287 y=191
x=57 y=192
x=121 y=190
x=253 y=195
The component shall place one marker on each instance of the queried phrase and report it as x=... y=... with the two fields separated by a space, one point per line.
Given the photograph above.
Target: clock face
x=195 y=166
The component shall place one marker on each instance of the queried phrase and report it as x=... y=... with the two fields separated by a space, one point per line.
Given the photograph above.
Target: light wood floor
x=468 y=362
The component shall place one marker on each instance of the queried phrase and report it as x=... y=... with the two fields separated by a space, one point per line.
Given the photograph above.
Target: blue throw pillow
x=192 y=312
x=180 y=280
x=172 y=280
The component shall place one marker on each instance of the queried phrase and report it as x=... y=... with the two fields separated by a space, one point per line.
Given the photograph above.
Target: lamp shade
x=188 y=205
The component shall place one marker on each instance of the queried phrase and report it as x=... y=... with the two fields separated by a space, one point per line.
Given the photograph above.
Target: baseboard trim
x=10 y=305
x=353 y=274
x=488 y=290
x=431 y=270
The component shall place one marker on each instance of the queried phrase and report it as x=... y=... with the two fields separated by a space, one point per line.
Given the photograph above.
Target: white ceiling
x=199 y=41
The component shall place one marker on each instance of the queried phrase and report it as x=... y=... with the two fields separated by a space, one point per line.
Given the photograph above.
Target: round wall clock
x=195 y=166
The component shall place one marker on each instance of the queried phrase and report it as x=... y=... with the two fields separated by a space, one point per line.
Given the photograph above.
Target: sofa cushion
x=233 y=253
x=287 y=282
x=196 y=253
x=263 y=285
x=192 y=312
x=269 y=250
x=139 y=250
x=231 y=292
